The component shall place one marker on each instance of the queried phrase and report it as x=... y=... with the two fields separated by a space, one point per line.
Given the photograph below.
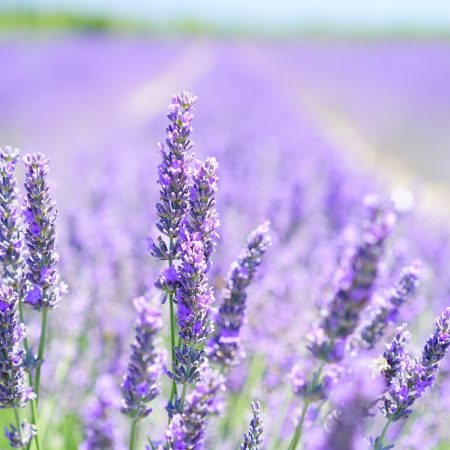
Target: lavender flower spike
x=436 y=347
x=373 y=327
x=198 y=235
x=356 y=283
x=11 y=239
x=224 y=347
x=141 y=383
x=39 y=209
x=408 y=378
x=187 y=430
x=203 y=215
x=13 y=390
x=173 y=175
x=253 y=439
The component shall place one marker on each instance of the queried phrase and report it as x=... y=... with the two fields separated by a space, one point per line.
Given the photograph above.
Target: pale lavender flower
x=252 y=440
x=224 y=347
x=355 y=285
x=20 y=438
x=39 y=209
x=187 y=430
x=173 y=176
x=141 y=383
x=11 y=235
x=13 y=390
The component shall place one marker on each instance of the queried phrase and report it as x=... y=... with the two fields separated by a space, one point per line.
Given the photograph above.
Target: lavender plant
x=406 y=377
x=253 y=438
x=224 y=347
x=141 y=383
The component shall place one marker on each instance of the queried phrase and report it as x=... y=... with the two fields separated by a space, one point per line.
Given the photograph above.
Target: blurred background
x=372 y=74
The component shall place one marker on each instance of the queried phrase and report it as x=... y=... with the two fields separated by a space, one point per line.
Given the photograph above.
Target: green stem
x=298 y=430
x=34 y=419
x=183 y=395
x=380 y=441
x=18 y=424
x=172 y=342
x=37 y=380
x=133 y=434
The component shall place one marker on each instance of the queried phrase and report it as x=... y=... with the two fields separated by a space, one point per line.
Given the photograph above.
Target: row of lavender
x=352 y=322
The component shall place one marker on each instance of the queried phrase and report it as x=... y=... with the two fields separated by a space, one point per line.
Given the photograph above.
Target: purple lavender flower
x=11 y=238
x=356 y=284
x=13 y=390
x=224 y=347
x=141 y=383
x=101 y=431
x=408 y=378
x=395 y=356
x=187 y=430
x=20 y=438
x=198 y=235
x=372 y=328
x=436 y=347
x=194 y=297
x=253 y=438
x=39 y=209
x=203 y=217
x=173 y=176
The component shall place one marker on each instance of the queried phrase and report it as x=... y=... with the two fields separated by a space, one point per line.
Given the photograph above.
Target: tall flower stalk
x=42 y=281
x=173 y=179
x=194 y=296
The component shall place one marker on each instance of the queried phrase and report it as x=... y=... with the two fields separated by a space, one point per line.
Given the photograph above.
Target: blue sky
x=378 y=13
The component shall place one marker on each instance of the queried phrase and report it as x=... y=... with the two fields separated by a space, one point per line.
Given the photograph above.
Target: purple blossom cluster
x=141 y=383
x=45 y=288
x=356 y=283
x=14 y=392
x=225 y=347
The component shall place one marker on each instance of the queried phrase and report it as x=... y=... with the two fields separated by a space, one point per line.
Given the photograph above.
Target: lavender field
x=299 y=258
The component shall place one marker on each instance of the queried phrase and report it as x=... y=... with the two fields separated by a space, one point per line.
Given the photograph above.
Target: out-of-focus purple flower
x=20 y=438
x=378 y=318
x=39 y=209
x=173 y=175
x=101 y=430
x=224 y=347
x=13 y=390
x=187 y=430
x=352 y=399
x=355 y=285
x=253 y=438
x=316 y=389
x=11 y=235
x=141 y=383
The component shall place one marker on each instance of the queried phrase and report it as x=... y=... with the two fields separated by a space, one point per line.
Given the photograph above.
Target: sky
x=340 y=13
